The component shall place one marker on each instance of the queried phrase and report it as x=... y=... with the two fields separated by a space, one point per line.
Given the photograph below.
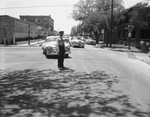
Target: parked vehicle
x=144 y=46
x=90 y=41
x=66 y=40
x=49 y=46
x=75 y=42
x=149 y=52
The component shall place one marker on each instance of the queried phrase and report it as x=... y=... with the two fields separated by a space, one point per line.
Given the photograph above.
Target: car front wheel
x=44 y=51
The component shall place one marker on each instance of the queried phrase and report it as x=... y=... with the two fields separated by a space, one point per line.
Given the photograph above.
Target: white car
x=75 y=42
x=90 y=41
x=149 y=52
x=49 y=46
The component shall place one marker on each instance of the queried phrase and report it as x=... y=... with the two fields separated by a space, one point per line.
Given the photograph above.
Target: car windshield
x=75 y=38
x=66 y=40
x=51 y=39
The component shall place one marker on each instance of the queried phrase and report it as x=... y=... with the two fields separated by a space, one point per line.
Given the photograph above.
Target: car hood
x=67 y=44
x=53 y=44
x=90 y=40
x=77 y=41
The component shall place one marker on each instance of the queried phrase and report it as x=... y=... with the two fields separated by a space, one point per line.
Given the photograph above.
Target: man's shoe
x=60 y=68
x=65 y=68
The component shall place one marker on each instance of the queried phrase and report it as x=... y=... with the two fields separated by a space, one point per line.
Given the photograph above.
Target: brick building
x=45 y=21
x=139 y=32
x=12 y=29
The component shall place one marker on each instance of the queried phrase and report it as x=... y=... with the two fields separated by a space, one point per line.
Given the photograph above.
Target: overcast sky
x=60 y=14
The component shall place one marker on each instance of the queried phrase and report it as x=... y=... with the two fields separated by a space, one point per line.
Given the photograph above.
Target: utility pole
x=111 y=35
x=29 y=34
x=130 y=29
x=4 y=36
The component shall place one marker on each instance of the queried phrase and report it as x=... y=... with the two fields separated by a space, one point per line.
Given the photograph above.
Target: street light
x=111 y=23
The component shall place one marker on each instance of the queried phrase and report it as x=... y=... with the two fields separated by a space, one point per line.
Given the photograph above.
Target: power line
x=35 y=6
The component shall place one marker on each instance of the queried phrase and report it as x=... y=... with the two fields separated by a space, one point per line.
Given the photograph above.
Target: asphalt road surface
x=99 y=83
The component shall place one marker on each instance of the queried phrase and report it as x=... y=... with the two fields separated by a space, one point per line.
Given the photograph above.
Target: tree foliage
x=95 y=15
x=140 y=15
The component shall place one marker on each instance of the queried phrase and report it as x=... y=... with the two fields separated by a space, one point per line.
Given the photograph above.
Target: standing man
x=61 y=51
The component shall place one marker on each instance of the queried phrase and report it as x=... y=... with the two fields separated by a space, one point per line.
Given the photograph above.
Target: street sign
x=130 y=28
x=129 y=34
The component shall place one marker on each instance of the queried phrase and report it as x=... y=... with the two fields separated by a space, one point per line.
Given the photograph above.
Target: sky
x=60 y=10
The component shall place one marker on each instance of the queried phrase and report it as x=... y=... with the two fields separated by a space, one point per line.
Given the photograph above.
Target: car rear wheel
x=66 y=55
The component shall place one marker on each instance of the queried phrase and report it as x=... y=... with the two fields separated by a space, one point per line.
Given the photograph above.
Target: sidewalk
x=145 y=57
x=33 y=43
x=38 y=43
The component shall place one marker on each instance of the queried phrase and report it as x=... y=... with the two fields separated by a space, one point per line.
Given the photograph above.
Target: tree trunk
x=107 y=37
x=4 y=41
x=97 y=35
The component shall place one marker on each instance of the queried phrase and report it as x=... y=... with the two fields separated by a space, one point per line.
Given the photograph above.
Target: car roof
x=51 y=38
x=75 y=38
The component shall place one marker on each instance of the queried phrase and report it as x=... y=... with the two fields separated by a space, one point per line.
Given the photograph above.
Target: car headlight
x=49 y=48
x=68 y=46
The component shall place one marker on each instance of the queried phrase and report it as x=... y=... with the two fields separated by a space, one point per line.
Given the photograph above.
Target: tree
x=85 y=11
x=73 y=31
x=76 y=30
x=140 y=15
x=95 y=15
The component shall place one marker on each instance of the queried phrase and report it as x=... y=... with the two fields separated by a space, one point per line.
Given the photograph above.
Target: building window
x=45 y=20
x=119 y=33
x=38 y=20
x=145 y=34
x=16 y=27
x=32 y=20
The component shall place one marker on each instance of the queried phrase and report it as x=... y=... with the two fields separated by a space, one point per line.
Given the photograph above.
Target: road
x=99 y=82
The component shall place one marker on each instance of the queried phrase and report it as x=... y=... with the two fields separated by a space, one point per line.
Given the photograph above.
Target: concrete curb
x=145 y=57
x=33 y=44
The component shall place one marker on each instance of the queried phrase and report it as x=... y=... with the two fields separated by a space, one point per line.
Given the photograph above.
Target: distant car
x=75 y=42
x=90 y=41
x=49 y=46
x=149 y=52
x=66 y=40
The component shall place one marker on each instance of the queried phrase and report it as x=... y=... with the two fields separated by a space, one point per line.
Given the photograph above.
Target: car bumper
x=51 y=53
x=78 y=44
x=67 y=52
x=92 y=43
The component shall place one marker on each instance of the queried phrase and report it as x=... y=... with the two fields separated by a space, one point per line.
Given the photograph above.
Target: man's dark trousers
x=61 y=56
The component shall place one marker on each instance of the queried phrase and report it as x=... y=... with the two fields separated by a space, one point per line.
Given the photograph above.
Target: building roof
x=37 y=16
x=7 y=16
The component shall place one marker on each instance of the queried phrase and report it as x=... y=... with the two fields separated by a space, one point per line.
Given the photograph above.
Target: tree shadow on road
x=49 y=93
